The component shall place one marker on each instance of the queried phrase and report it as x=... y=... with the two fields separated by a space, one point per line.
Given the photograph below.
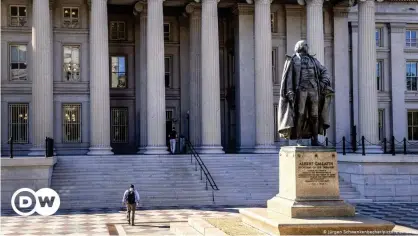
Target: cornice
x=243 y=9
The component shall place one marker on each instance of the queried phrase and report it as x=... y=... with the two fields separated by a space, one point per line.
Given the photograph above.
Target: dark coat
x=290 y=83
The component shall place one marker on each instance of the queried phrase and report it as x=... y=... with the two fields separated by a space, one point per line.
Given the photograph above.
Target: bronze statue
x=305 y=95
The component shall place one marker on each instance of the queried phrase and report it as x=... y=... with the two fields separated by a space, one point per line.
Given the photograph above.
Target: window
x=273 y=22
x=412 y=125
x=167 y=32
x=117 y=30
x=70 y=17
x=411 y=38
x=71 y=124
x=381 y=124
x=411 y=76
x=276 y=123
x=168 y=65
x=168 y=115
x=18 y=123
x=118 y=75
x=18 y=16
x=18 y=63
x=379 y=75
x=119 y=121
x=379 y=37
x=274 y=65
x=71 y=63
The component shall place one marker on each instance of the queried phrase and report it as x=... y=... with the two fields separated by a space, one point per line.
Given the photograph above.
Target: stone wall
x=24 y=172
x=381 y=177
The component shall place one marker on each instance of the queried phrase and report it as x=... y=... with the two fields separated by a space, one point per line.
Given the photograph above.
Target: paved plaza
x=96 y=221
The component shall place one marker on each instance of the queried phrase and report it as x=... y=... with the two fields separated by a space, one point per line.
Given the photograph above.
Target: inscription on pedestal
x=316 y=175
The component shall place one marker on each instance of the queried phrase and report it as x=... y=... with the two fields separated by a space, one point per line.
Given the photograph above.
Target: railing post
x=384 y=145
x=363 y=148
x=11 y=146
x=326 y=141
x=354 y=139
x=404 y=146
x=200 y=173
x=343 y=145
x=393 y=145
x=206 y=183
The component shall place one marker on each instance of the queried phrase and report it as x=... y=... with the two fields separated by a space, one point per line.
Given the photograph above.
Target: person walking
x=131 y=200
x=173 y=136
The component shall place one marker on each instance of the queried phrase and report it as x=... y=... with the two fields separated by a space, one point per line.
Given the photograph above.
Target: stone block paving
x=99 y=221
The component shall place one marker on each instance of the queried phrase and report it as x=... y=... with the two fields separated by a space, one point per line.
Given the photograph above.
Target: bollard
x=11 y=146
x=49 y=147
x=393 y=145
x=384 y=145
x=343 y=145
x=363 y=149
x=404 y=146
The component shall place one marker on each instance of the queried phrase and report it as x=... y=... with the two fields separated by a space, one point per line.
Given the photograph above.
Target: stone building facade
x=104 y=77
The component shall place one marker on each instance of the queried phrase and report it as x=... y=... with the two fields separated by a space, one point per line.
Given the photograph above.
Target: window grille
x=168 y=115
x=18 y=16
x=119 y=121
x=273 y=22
x=276 y=123
x=18 y=62
x=379 y=75
x=274 y=65
x=381 y=124
x=71 y=123
x=18 y=123
x=379 y=37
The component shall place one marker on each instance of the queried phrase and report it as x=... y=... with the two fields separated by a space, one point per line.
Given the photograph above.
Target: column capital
x=260 y=1
x=243 y=9
x=194 y=8
x=341 y=11
x=139 y=7
x=397 y=27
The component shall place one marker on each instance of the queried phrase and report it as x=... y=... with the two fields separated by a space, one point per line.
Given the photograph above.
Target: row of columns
x=205 y=79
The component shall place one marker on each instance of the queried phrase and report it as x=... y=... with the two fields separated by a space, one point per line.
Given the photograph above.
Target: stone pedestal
x=309 y=198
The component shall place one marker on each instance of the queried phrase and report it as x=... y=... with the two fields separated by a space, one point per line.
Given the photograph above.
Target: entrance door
x=119 y=130
x=168 y=126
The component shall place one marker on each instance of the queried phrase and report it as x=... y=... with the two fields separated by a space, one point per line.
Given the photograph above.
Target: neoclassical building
x=104 y=77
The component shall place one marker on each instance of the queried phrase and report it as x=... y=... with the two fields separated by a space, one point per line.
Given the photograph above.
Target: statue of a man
x=305 y=95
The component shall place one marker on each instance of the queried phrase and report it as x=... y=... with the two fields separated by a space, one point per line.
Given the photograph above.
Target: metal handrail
x=203 y=168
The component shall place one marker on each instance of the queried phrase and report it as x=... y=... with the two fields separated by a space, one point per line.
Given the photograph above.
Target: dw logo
x=47 y=201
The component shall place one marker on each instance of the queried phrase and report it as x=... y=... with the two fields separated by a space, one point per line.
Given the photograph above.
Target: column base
x=141 y=150
x=156 y=150
x=265 y=149
x=246 y=149
x=211 y=150
x=37 y=151
x=371 y=149
x=100 y=151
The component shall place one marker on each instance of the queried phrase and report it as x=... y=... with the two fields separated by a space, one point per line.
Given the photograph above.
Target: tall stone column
x=195 y=21
x=156 y=130
x=368 y=110
x=42 y=79
x=264 y=137
x=399 y=114
x=315 y=28
x=341 y=74
x=210 y=90
x=99 y=80
x=244 y=74
x=141 y=71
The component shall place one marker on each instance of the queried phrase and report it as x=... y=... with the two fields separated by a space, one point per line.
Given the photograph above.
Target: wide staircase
x=171 y=180
x=90 y=182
